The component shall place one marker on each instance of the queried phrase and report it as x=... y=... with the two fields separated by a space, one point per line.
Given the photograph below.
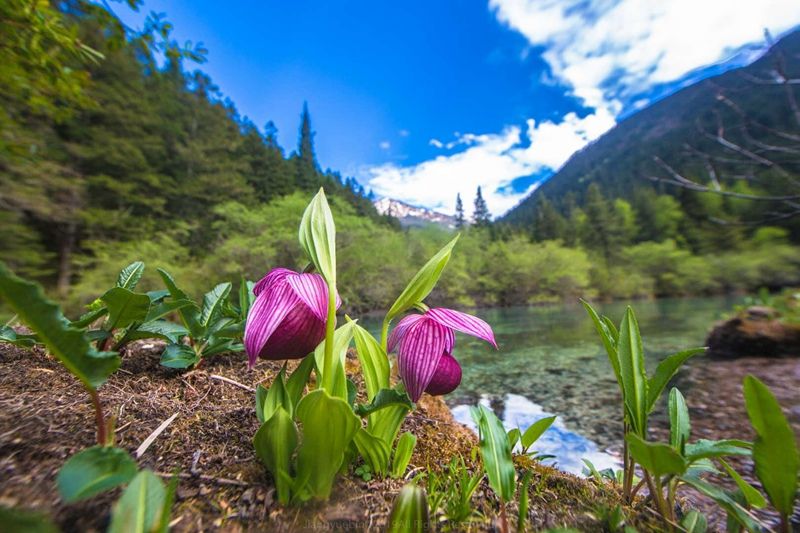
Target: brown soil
x=755 y=332
x=713 y=390
x=45 y=417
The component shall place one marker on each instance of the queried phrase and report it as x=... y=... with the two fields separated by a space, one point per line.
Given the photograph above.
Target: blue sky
x=421 y=100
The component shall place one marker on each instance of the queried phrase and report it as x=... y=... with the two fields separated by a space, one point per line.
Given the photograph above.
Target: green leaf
x=403 y=453
x=384 y=399
x=775 y=448
x=410 y=511
x=190 y=315
x=276 y=397
x=522 y=510
x=162 y=309
x=298 y=380
x=374 y=362
x=679 y=424
x=94 y=470
x=535 y=431
x=130 y=275
x=329 y=426
x=275 y=442
x=373 y=450
x=179 y=356
x=7 y=334
x=751 y=495
x=657 y=458
x=67 y=344
x=632 y=371
x=318 y=236
x=246 y=298
x=609 y=338
x=664 y=372
x=706 y=449
x=161 y=329
x=386 y=422
x=261 y=395
x=24 y=521
x=87 y=318
x=496 y=453
x=514 y=436
x=694 y=522
x=125 y=307
x=341 y=340
x=169 y=499
x=423 y=282
x=140 y=508
x=722 y=499
x=213 y=301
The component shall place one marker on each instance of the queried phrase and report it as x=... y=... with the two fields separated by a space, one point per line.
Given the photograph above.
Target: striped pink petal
x=446 y=378
x=463 y=322
x=297 y=336
x=312 y=291
x=400 y=331
x=421 y=347
x=272 y=305
x=272 y=278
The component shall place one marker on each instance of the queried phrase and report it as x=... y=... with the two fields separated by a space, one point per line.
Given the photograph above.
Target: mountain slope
x=412 y=216
x=673 y=130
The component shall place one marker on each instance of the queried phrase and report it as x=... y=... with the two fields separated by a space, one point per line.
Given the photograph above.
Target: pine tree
x=459 y=212
x=480 y=216
x=307 y=177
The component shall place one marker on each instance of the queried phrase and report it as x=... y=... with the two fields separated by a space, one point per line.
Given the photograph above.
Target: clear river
x=551 y=362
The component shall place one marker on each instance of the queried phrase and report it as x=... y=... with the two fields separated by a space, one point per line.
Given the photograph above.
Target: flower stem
x=100 y=418
x=385 y=333
x=330 y=327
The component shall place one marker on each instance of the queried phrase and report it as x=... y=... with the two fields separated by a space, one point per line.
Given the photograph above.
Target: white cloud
x=404 y=133
x=385 y=145
x=491 y=161
x=607 y=50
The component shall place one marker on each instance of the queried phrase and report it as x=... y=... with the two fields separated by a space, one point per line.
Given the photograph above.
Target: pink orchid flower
x=287 y=320
x=424 y=349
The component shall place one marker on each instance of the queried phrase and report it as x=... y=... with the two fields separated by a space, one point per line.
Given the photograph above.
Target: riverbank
x=45 y=418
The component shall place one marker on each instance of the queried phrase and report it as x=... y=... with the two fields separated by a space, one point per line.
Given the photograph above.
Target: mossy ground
x=45 y=417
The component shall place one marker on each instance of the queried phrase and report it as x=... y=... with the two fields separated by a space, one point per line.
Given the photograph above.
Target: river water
x=551 y=361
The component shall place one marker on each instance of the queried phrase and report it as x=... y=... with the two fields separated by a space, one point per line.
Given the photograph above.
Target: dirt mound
x=756 y=332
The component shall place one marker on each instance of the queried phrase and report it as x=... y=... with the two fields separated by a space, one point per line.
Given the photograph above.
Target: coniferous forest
x=116 y=146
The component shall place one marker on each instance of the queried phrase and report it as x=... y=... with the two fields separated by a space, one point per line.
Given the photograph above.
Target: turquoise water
x=551 y=361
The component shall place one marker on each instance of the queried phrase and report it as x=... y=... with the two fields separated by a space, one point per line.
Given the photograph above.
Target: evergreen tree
x=480 y=216
x=602 y=230
x=549 y=224
x=307 y=169
x=459 y=212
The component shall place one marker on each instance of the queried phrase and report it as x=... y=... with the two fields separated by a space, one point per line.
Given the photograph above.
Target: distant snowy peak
x=411 y=215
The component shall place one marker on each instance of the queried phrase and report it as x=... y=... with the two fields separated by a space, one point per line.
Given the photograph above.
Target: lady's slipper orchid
x=424 y=349
x=287 y=320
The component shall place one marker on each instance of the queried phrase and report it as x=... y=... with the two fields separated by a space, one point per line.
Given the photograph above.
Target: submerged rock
x=756 y=332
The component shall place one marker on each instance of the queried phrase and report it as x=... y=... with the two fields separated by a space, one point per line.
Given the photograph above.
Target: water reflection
x=567 y=447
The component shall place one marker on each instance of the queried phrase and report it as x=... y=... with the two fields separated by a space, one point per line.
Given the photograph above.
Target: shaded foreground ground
x=45 y=418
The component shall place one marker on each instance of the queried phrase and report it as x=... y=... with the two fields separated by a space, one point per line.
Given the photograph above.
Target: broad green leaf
x=179 y=356
x=140 y=508
x=694 y=522
x=277 y=396
x=775 y=448
x=318 y=236
x=423 y=282
x=657 y=458
x=213 y=301
x=384 y=399
x=679 y=424
x=386 y=422
x=410 y=511
x=156 y=297
x=664 y=372
x=275 y=442
x=125 y=307
x=261 y=395
x=18 y=520
x=7 y=334
x=246 y=297
x=609 y=338
x=750 y=493
x=513 y=437
x=329 y=426
x=592 y=470
x=374 y=362
x=524 y=497
x=216 y=346
x=496 y=453
x=722 y=499
x=706 y=449
x=535 y=431
x=169 y=499
x=298 y=380
x=87 y=318
x=162 y=309
x=190 y=315
x=632 y=371
x=341 y=340
x=94 y=470
x=373 y=450
x=161 y=329
x=67 y=344
x=130 y=275
x=403 y=453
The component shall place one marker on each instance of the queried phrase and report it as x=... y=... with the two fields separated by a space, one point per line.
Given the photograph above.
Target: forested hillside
x=736 y=135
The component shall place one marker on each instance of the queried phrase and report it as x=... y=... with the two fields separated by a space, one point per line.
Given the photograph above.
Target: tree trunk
x=66 y=246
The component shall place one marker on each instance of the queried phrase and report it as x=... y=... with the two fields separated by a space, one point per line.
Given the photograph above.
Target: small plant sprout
x=495 y=450
x=410 y=511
